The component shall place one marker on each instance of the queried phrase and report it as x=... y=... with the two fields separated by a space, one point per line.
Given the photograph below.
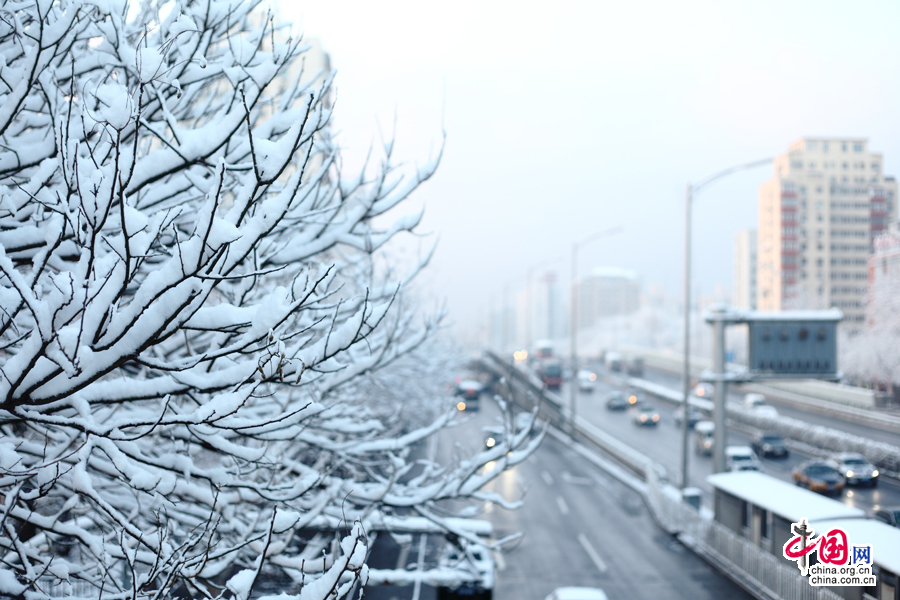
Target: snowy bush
x=189 y=295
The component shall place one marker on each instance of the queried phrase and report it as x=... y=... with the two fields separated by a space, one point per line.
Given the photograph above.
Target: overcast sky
x=567 y=119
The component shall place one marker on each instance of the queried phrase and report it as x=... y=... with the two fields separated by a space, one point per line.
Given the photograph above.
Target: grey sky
x=568 y=118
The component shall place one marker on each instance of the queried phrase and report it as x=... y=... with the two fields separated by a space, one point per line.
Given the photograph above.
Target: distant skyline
x=566 y=120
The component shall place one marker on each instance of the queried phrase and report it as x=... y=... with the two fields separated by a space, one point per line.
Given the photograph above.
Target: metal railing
x=761 y=573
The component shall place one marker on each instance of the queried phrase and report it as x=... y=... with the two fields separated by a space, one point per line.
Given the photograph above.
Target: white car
x=757 y=403
x=586 y=381
x=576 y=593
x=475 y=560
x=741 y=458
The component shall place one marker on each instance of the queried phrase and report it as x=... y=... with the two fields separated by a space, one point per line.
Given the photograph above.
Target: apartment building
x=818 y=215
x=607 y=292
x=744 y=295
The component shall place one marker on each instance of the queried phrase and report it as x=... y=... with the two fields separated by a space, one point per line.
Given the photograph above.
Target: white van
x=704 y=433
x=753 y=400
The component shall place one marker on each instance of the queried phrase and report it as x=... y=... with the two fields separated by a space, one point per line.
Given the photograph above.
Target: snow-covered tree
x=188 y=301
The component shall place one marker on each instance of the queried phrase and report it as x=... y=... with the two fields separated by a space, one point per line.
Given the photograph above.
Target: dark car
x=819 y=476
x=550 y=373
x=855 y=468
x=770 y=445
x=694 y=416
x=616 y=401
x=890 y=516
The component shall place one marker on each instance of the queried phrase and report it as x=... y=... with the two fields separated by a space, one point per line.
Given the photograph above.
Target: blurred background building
x=745 y=269
x=607 y=292
x=818 y=215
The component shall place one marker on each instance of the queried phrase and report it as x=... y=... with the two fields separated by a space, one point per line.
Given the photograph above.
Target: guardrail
x=759 y=572
x=884 y=456
x=809 y=393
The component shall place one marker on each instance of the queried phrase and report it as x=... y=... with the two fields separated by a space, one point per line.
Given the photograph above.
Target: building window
x=745 y=514
x=810 y=146
x=874 y=166
x=844 y=147
x=857 y=147
x=824 y=146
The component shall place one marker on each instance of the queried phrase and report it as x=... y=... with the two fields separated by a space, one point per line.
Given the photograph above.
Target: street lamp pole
x=690 y=191
x=573 y=321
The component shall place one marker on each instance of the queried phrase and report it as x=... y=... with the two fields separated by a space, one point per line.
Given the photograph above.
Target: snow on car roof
x=780 y=497
x=578 y=593
x=469 y=384
x=883 y=538
x=734 y=450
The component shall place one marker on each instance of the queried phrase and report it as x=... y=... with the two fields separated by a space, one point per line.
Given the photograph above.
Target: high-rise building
x=607 y=292
x=883 y=307
x=745 y=269
x=827 y=200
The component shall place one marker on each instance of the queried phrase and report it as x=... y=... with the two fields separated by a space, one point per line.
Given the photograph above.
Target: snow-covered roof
x=616 y=272
x=832 y=314
x=780 y=497
x=884 y=539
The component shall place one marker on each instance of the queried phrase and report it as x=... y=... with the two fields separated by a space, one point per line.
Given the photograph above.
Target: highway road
x=580 y=527
x=852 y=427
x=663 y=444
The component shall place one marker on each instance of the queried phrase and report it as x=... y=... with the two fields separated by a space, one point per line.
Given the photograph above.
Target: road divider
x=826 y=439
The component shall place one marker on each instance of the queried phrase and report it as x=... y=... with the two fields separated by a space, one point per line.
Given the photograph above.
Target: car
x=741 y=458
x=493 y=436
x=704 y=390
x=586 y=380
x=757 y=404
x=889 y=515
x=770 y=444
x=819 y=476
x=694 y=416
x=754 y=400
x=576 y=593
x=616 y=401
x=704 y=436
x=614 y=361
x=644 y=414
x=461 y=554
x=855 y=468
x=765 y=411
x=550 y=373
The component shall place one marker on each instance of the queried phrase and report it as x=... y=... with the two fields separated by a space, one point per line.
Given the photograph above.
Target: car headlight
x=767 y=447
x=461 y=406
x=656 y=417
x=875 y=473
x=490 y=442
x=643 y=417
x=707 y=444
x=849 y=473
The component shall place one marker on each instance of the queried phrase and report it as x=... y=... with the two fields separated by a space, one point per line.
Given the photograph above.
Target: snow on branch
x=190 y=315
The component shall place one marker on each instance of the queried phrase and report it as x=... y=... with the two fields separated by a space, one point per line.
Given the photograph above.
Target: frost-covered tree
x=189 y=299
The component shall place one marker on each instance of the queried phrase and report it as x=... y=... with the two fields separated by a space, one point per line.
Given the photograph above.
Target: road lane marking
x=569 y=478
x=547 y=478
x=563 y=507
x=592 y=554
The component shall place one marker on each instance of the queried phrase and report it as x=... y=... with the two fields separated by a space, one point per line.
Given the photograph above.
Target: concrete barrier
x=823 y=391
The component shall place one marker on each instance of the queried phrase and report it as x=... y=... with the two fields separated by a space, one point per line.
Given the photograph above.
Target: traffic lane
x=662 y=443
x=851 y=427
x=582 y=527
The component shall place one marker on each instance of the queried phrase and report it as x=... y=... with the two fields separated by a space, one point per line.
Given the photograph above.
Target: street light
x=688 y=200
x=573 y=318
